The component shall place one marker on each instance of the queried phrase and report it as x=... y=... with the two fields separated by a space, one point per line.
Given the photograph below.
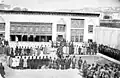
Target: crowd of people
x=38 y=62
x=29 y=58
x=67 y=48
x=111 y=70
x=108 y=51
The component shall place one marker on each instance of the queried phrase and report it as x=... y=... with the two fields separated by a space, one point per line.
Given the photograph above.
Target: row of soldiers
x=111 y=52
x=47 y=62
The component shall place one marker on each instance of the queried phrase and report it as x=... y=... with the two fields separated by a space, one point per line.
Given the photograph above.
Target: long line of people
x=38 y=62
x=111 y=52
x=90 y=49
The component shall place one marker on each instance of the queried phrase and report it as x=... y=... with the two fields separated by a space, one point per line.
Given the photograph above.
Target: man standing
x=21 y=63
x=80 y=63
x=39 y=62
x=73 y=62
x=25 y=63
x=79 y=50
x=28 y=63
x=50 y=62
x=71 y=48
x=2 y=72
x=62 y=63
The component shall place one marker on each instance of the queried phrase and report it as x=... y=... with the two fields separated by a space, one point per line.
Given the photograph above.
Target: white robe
x=76 y=50
x=14 y=62
x=25 y=63
x=67 y=50
x=64 y=49
x=17 y=61
x=35 y=52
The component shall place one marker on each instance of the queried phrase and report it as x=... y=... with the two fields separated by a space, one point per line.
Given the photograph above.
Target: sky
x=62 y=4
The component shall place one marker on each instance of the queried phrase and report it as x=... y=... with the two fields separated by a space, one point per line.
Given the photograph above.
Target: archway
x=31 y=38
x=24 y=38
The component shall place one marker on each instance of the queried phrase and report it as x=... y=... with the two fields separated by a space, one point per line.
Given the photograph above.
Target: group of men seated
x=108 y=51
x=38 y=62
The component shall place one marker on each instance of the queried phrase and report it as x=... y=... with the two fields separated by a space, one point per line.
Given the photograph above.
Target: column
x=46 y=38
x=21 y=38
x=85 y=35
x=7 y=30
x=34 y=37
x=68 y=29
x=54 y=31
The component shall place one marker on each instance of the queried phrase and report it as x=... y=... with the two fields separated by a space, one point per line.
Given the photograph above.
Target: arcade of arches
x=30 y=31
x=31 y=38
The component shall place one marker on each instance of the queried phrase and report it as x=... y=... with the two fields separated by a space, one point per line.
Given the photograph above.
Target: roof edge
x=50 y=13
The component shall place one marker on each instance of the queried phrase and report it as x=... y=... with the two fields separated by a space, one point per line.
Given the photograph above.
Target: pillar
x=68 y=29
x=7 y=30
x=54 y=31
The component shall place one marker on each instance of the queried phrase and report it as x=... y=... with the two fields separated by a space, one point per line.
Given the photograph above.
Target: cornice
x=48 y=13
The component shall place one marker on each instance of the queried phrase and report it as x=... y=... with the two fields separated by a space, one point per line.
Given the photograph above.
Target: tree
x=24 y=9
x=17 y=9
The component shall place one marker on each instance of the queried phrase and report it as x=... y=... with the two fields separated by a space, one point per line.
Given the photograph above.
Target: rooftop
x=49 y=13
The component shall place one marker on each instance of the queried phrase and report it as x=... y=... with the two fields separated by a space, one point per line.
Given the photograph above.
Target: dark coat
x=2 y=70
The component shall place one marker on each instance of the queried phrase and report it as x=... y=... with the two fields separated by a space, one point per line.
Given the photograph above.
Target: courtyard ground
x=45 y=73
x=49 y=73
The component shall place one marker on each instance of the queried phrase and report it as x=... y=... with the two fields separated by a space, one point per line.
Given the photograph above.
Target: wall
x=108 y=36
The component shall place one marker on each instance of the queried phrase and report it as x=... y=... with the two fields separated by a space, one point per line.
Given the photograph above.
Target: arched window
x=31 y=38
x=24 y=38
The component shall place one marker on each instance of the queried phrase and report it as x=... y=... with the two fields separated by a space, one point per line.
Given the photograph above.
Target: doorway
x=60 y=38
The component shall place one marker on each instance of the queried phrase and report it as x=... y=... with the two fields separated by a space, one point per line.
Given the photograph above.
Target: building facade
x=38 y=26
x=108 y=33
